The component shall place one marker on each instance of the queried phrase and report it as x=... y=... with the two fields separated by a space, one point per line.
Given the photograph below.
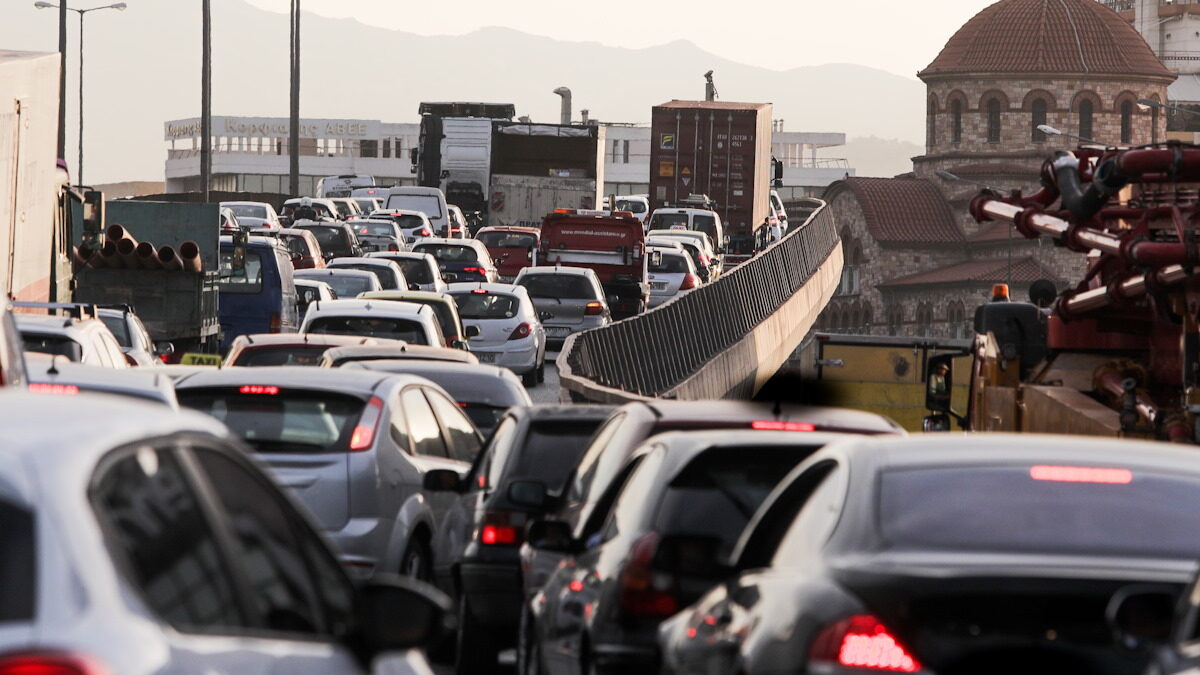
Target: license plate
x=486 y=357
x=558 y=331
x=658 y=285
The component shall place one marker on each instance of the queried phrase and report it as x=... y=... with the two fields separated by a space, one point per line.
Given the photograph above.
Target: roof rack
x=76 y=310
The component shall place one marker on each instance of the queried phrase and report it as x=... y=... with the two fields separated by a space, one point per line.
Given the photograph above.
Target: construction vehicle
x=1118 y=354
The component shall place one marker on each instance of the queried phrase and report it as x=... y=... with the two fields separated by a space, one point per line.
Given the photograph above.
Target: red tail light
x=521 y=331
x=690 y=281
x=424 y=232
x=276 y=323
x=55 y=389
x=476 y=270
x=501 y=529
x=50 y=663
x=769 y=425
x=393 y=247
x=644 y=592
x=364 y=433
x=862 y=642
x=594 y=309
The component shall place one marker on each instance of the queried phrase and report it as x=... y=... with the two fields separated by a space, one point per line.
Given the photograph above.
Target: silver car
x=138 y=540
x=507 y=330
x=391 y=277
x=132 y=336
x=568 y=300
x=420 y=269
x=672 y=274
x=346 y=282
x=354 y=447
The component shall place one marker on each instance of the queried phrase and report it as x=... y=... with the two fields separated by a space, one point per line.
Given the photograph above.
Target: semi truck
x=455 y=149
x=612 y=244
x=721 y=149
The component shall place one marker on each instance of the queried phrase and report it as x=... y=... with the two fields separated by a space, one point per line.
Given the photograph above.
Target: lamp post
x=294 y=104
x=952 y=178
x=119 y=6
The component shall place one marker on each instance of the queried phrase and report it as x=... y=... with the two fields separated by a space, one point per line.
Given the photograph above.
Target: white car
x=458 y=224
x=568 y=300
x=86 y=341
x=413 y=225
x=698 y=220
x=671 y=275
x=347 y=283
x=510 y=333
x=412 y=323
x=133 y=337
x=309 y=291
x=428 y=200
x=324 y=208
x=139 y=540
x=347 y=207
x=421 y=269
x=701 y=240
x=255 y=216
x=638 y=205
x=390 y=276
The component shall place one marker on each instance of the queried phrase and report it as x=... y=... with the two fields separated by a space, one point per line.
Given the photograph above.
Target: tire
x=417 y=561
x=541 y=371
x=530 y=378
x=475 y=650
x=529 y=652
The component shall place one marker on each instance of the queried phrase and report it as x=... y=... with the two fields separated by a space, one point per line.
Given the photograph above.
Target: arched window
x=1085 y=118
x=895 y=319
x=1126 y=122
x=993 y=120
x=1039 y=118
x=956 y=316
x=924 y=319
x=931 y=123
x=956 y=113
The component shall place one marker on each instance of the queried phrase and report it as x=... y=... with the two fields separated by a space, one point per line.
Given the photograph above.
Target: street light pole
x=79 y=171
x=294 y=112
x=62 y=80
x=205 y=100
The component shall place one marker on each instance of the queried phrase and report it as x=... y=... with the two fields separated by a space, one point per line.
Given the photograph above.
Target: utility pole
x=294 y=131
x=62 y=79
x=206 y=101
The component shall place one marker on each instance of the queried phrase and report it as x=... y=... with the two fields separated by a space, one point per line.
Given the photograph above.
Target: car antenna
x=778 y=409
x=249 y=340
x=53 y=365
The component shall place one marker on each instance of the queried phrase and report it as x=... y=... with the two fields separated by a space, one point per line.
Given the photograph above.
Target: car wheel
x=541 y=371
x=417 y=562
x=475 y=650
x=530 y=378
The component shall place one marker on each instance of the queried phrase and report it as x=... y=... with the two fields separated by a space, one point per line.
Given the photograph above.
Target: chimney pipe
x=565 y=93
x=583 y=114
x=710 y=89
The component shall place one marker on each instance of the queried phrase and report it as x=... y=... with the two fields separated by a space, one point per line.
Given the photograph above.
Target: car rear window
x=296 y=245
x=484 y=417
x=430 y=205
x=445 y=317
x=666 y=221
x=55 y=345
x=330 y=238
x=412 y=332
x=345 y=285
x=18 y=568
x=559 y=286
x=416 y=271
x=1042 y=509
x=119 y=328
x=672 y=263
x=448 y=252
x=550 y=451
x=276 y=420
x=249 y=211
x=409 y=222
x=376 y=229
x=387 y=278
x=507 y=240
x=297 y=355
x=486 y=305
x=719 y=490
x=632 y=207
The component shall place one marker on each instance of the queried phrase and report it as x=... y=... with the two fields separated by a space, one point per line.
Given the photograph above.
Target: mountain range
x=143 y=68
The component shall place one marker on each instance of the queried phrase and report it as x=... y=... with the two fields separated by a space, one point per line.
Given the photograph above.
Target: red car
x=512 y=248
x=305 y=250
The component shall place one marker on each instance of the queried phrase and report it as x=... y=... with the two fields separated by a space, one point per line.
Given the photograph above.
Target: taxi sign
x=193 y=359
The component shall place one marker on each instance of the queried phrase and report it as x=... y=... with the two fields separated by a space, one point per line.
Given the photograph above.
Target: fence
x=655 y=352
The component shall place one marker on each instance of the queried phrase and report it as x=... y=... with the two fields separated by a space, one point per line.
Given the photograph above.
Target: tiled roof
x=1024 y=270
x=1047 y=36
x=905 y=211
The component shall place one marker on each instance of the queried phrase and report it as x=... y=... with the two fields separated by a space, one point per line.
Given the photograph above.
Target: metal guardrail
x=652 y=353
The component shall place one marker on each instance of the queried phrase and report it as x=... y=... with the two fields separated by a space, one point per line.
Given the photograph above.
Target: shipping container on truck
x=721 y=149
x=537 y=168
x=454 y=151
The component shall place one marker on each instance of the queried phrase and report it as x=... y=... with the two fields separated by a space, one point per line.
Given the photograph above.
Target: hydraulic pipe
x=1112 y=380
x=1128 y=288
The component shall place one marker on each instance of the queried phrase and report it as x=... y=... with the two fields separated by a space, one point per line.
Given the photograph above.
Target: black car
x=533 y=447
x=337 y=239
x=681 y=499
x=949 y=554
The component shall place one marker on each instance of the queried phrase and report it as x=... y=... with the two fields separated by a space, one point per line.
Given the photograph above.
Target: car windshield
x=448 y=252
x=484 y=417
x=249 y=211
x=344 y=209
x=416 y=271
x=57 y=345
x=672 y=263
x=430 y=205
x=291 y=355
x=1043 y=509
x=412 y=332
x=365 y=205
x=330 y=238
x=387 y=277
x=408 y=222
x=559 y=286
x=550 y=451
x=705 y=224
x=18 y=563
x=507 y=240
x=486 y=305
x=276 y=420
x=248 y=280
x=632 y=207
x=296 y=245
x=346 y=285
x=119 y=328
x=667 y=221
x=375 y=229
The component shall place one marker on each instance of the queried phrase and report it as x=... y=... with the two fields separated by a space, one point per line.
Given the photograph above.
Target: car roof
x=468 y=382
x=54 y=325
x=728 y=411
x=414 y=190
x=142 y=383
x=467 y=286
x=315 y=200
x=430 y=296
x=414 y=255
x=683 y=446
x=296 y=232
x=400 y=212
x=368 y=307
x=317 y=339
x=381 y=221
x=333 y=272
x=376 y=262
x=315 y=283
x=556 y=412
x=239 y=203
x=547 y=269
x=508 y=228
x=292 y=377
x=471 y=243
x=402 y=352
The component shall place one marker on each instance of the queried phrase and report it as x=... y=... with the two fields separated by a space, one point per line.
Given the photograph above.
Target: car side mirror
x=656 y=258
x=397 y=613
x=164 y=348
x=442 y=480
x=528 y=493
x=413 y=286
x=554 y=536
x=472 y=332
x=542 y=316
x=460 y=344
x=694 y=556
x=1141 y=615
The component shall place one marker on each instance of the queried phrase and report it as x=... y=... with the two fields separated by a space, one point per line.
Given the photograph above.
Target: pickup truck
x=610 y=244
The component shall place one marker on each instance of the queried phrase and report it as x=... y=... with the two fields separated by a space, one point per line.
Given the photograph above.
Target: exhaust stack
x=565 y=93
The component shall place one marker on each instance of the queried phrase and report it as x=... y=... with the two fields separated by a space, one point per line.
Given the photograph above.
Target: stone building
x=916 y=262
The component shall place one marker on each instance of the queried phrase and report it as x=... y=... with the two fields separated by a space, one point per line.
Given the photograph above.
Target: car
x=512 y=248
x=261 y=296
x=484 y=392
x=346 y=283
x=568 y=300
x=697 y=220
x=347 y=208
x=133 y=337
x=414 y=324
x=443 y=305
x=428 y=200
x=229 y=221
x=678 y=497
x=138 y=540
x=292 y=349
x=460 y=259
x=54 y=375
x=84 y=340
x=779 y=209
x=353 y=446
x=509 y=332
x=457 y=224
x=367 y=204
x=413 y=225
x=671 y=274
x=324 y=208
x=988 y=553
x=638 y=205
x=700 y=240
x=420 y=269
x=336 y=358
x=704 y=265
x=309 y=291
x=303 y=245
x=255 y=216
x=391 y=277
x=12 y=354
x=478 y=542
x=337 y=239
x=378 y=234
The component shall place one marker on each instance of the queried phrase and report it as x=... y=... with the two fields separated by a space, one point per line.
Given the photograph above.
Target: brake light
x=523 y=330
x=364 y=433
x=564 y=210
x=55 y=389
x=276 y=323
x=594 y=309
x=50 y=663
x=393 y=247
x=479 y=291
x=501 y=529
x=424 y=232
x=689 y=282
x=477 y=270
x=1081 y=474
x=769 y=425
x=644 y=592
x=863 y=642
x=258 y=390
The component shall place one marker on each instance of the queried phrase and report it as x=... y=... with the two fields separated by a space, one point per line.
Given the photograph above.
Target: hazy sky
x=901 y=37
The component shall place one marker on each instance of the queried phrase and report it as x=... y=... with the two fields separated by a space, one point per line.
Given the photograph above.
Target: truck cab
x=612 y=244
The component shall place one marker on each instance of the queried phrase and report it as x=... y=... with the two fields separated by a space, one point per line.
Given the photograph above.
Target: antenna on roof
x=53 y=365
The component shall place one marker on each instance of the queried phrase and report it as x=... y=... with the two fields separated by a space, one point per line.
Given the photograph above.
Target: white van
x=428 y=200
x=342 y=186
